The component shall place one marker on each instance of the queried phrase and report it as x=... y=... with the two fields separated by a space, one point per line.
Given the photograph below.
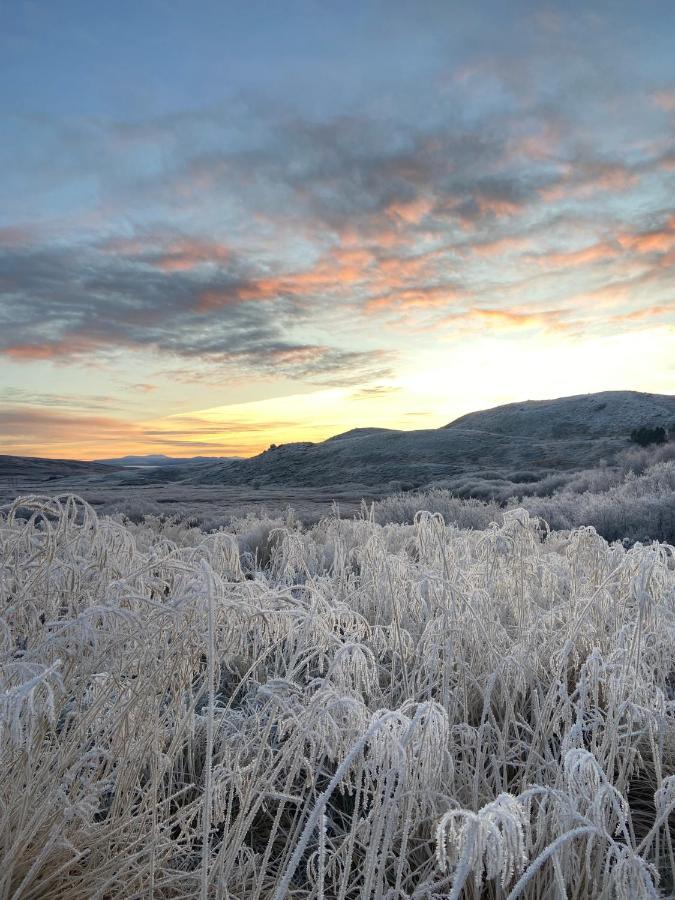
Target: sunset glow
x=245 y=225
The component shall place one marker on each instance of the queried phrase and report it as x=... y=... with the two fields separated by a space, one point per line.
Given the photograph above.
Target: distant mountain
x=541 y=436
x=159 y=459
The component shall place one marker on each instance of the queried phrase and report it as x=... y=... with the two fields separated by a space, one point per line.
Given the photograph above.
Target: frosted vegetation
x=360 y=708
x=629 y=506
x=631 y=500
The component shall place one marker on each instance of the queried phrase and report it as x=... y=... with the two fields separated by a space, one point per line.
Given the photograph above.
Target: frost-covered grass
x=635 y=505
x=351 y=710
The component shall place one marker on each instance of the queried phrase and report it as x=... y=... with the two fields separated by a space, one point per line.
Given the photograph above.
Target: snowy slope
x=565 y=434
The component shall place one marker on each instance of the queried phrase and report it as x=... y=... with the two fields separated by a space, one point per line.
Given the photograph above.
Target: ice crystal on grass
x=352 y=710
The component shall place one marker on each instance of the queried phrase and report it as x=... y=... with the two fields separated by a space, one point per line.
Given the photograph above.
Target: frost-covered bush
x=639 y=508
x=620 y=505
x=471 y=513
x=363 y=708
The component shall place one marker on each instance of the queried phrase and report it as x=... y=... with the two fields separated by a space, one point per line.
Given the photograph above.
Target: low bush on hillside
x=645 y=435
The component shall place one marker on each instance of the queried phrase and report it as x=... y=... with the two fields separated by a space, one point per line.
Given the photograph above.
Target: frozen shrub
x=439 y=698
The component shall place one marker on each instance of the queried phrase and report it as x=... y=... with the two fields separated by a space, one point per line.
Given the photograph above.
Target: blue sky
x=227 y=224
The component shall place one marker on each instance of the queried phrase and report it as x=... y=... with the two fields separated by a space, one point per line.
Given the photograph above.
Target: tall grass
x=621 y=506
x=355 y=710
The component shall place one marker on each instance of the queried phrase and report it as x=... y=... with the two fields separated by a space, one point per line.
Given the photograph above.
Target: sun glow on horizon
x=459 y=379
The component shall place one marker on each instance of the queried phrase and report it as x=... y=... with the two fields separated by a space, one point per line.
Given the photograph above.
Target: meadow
x=400 y=704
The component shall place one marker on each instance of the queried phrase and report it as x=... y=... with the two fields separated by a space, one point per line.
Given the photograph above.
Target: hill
x=37 y=469
x=611 y=412
x=526 y=440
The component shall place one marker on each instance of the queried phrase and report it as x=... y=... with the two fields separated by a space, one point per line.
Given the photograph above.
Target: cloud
x=50 y=350
x=22 y=396
x=377 y=390
x=368 y=175
x=664 y=99
x=15 y=236
x=509 y=319
x=44 y=428
x=606 y=296
x=657 y=240
x=66 y=304
x=248 y=243
x=59 y=433
x=424 y=297
x=576 y=259
x=170 y=254
x=319 y=364
x=582 y=178
x=647 y=313
x=500 y=246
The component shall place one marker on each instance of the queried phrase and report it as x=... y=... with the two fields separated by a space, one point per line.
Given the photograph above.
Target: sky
x=230 y=224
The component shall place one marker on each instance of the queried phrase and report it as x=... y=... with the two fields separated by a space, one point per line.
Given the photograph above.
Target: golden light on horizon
x=462 y=377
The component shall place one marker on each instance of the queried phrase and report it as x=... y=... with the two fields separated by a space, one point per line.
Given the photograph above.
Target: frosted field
x=348 y=710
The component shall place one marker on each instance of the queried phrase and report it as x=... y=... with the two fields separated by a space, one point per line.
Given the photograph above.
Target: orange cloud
x=325 y=277
x=659 y=240
x=611 y=178
x=667 y=260
x=341 y=268
x=40 y=432
x=392 y=281
x=583 y=181
x=13 y=236
x=414 y=298
x=386 y=238
x=353 y=256
x=649 y=312
x=31 y=431
x=499 y=246
x=49 y=350
x=395 y=271
x=30 y=352
x=509 y=319
x=664 y=99
x=574 y=258
x=216 y=298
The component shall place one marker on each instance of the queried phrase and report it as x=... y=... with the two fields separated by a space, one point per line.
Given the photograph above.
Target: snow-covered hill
x=536 y=436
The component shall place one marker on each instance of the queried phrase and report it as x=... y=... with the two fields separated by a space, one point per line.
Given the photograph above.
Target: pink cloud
x=664 y=99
